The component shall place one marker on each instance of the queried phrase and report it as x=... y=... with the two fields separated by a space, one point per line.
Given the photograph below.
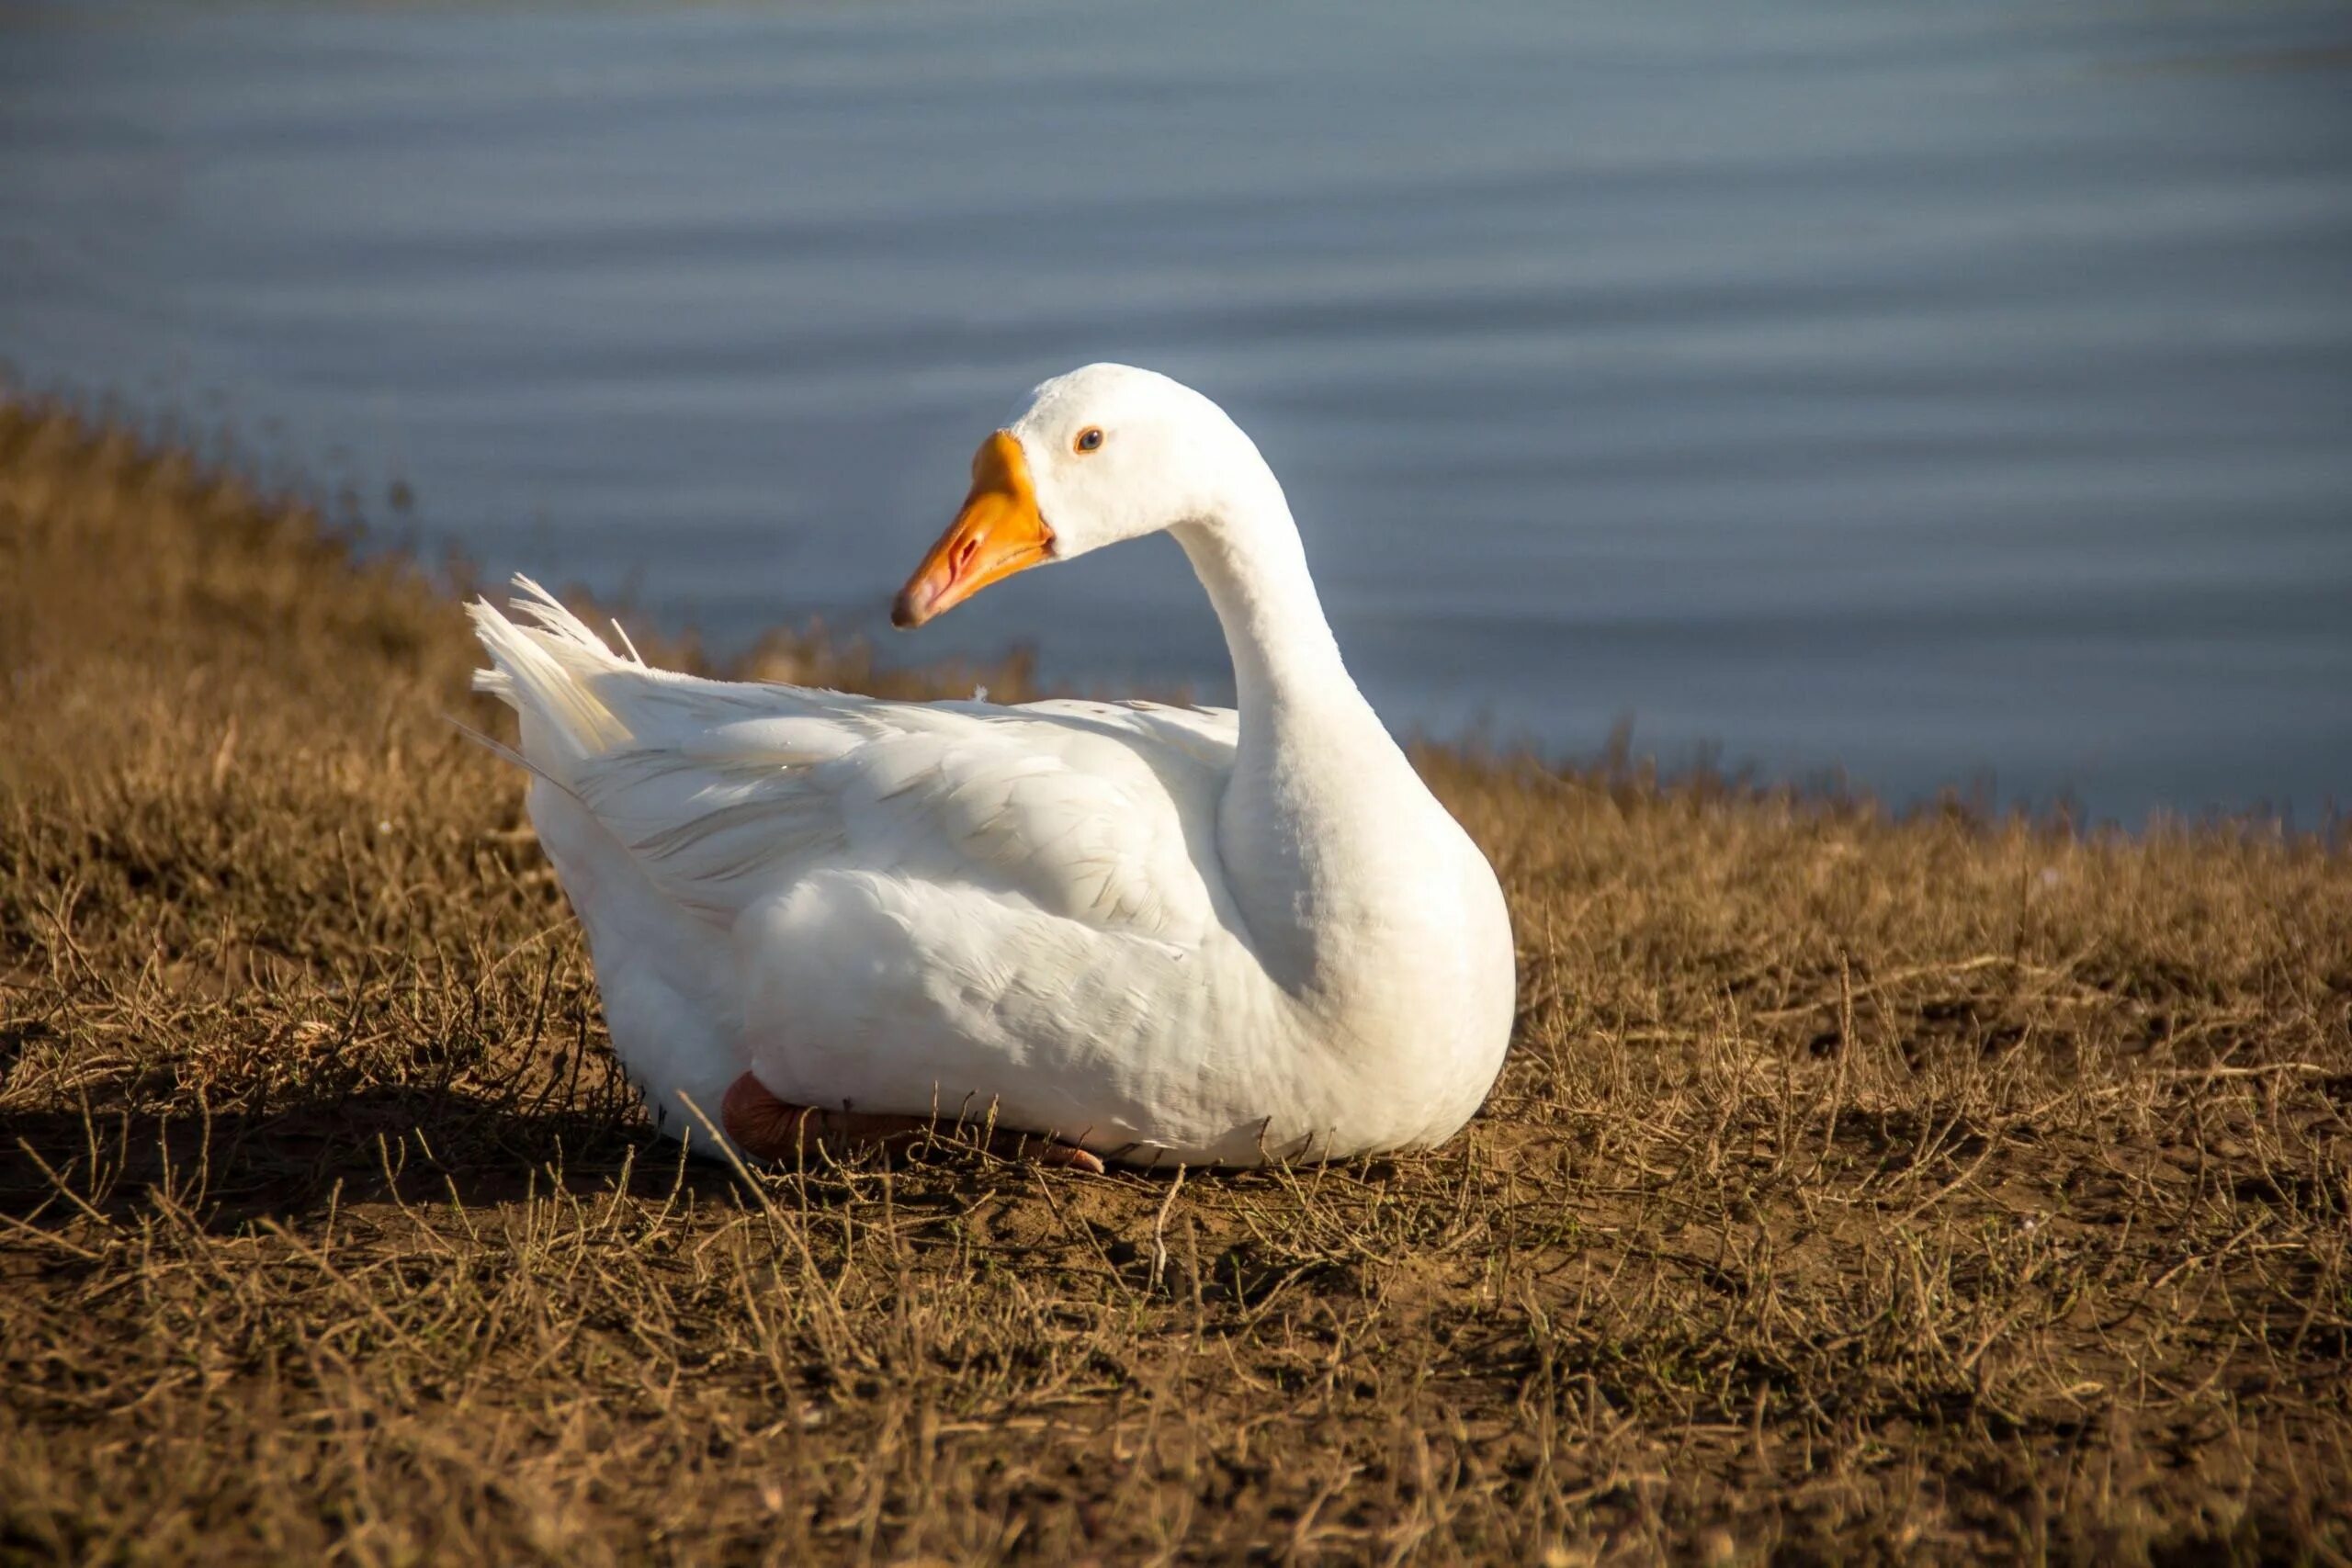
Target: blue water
x=1928 y=391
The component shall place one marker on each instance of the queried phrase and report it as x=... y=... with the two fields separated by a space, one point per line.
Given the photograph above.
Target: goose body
x=1162 y=934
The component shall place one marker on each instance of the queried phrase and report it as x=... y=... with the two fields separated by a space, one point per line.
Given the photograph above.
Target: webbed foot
x=769 y=1128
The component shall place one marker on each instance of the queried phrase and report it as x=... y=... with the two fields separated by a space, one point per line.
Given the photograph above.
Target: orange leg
x=769 y=1128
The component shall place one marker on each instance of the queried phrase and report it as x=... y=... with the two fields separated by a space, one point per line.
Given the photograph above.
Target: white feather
x=1164 y=931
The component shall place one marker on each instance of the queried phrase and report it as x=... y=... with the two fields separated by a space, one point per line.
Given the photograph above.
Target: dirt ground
x=1861 y=1188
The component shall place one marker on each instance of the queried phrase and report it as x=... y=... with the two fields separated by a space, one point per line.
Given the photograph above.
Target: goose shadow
x=228 y=1169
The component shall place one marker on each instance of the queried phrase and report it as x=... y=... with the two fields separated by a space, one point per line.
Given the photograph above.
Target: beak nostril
x=996 y=533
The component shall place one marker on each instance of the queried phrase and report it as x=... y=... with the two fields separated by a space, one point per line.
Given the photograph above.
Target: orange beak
x=998 y=533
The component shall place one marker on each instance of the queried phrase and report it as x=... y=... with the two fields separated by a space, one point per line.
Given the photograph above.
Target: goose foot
x=769 y=1128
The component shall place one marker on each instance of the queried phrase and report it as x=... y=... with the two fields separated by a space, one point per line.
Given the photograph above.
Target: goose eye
x=1090 y=439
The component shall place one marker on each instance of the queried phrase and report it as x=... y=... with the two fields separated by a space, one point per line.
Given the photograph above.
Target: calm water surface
x=1928 y=390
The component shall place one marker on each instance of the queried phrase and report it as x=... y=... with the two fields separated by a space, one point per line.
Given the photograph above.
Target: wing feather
x=729 y=792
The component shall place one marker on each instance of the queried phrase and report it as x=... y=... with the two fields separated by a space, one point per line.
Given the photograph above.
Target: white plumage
x=1165 y=934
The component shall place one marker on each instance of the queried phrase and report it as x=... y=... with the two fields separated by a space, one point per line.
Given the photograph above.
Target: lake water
x=1927 y=390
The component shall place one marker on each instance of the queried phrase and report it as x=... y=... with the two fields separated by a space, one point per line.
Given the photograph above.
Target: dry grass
x=1859 y=1188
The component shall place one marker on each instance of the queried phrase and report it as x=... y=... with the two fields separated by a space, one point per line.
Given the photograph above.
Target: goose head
x=1105 y=453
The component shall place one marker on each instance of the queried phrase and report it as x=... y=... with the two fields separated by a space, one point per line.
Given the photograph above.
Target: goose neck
x=1254 y=568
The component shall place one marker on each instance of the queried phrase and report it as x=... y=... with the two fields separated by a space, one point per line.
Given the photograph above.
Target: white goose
x=1151 y=934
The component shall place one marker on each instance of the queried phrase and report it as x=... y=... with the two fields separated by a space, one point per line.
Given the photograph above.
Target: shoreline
x=806 y=651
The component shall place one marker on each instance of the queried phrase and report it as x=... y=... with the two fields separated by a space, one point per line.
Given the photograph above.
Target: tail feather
x=545 y=667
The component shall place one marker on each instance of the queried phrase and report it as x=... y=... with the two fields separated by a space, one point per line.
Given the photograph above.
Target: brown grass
x=1860 y=1189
